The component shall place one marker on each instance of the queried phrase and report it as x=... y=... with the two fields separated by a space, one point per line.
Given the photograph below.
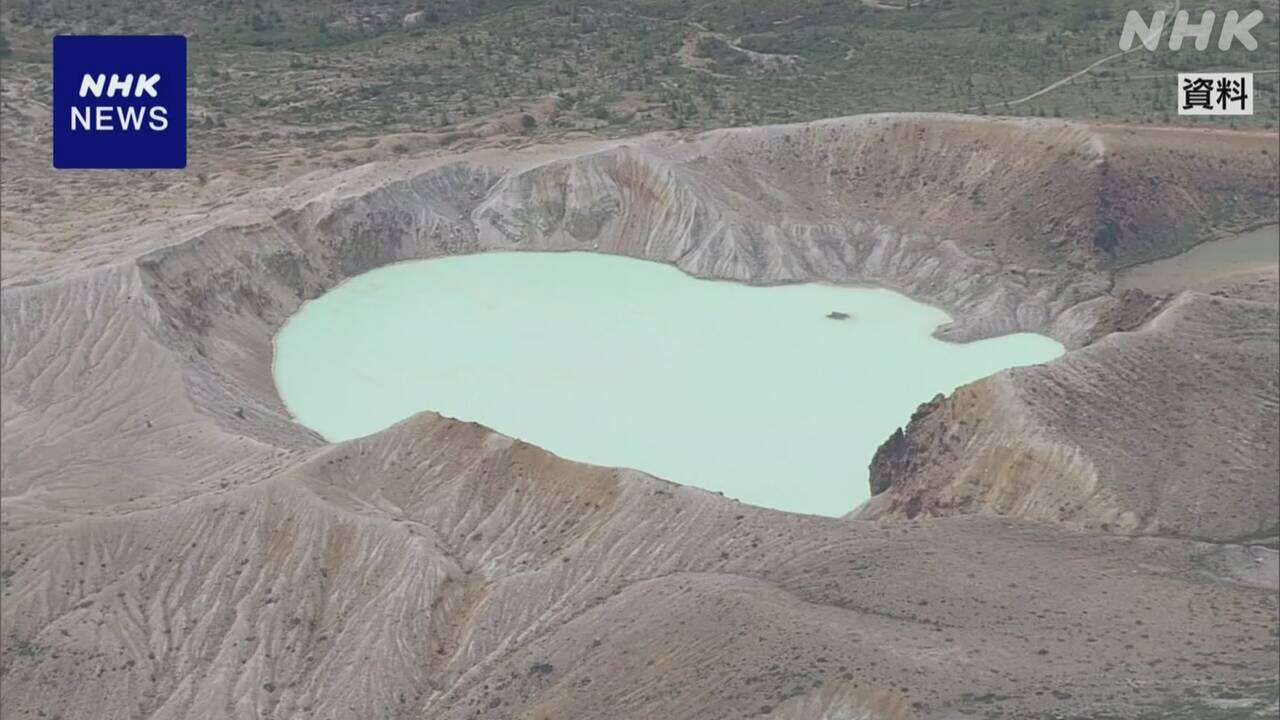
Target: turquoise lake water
x=749 y=391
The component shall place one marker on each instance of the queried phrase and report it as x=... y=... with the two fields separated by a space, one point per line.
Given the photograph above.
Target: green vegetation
x=540 y=67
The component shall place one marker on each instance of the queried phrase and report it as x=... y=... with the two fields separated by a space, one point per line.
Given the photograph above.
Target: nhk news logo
x=119 y=101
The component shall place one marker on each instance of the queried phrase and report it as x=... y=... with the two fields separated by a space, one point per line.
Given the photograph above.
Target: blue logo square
x=119 y=101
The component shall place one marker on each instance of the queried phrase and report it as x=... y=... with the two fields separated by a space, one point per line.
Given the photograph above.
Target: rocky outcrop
x=1130 y=310
x=897 y=456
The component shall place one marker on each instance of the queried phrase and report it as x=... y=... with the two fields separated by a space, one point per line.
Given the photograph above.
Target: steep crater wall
x=997 y=221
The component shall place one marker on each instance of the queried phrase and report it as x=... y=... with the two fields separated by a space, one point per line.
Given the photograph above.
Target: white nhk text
x=103 y=118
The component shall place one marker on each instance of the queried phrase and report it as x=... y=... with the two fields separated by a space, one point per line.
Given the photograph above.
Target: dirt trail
x=690 y=59
x=1079 y=73
x=878 y=5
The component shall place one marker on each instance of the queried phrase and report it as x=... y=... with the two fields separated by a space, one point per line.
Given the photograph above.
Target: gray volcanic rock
x=174 y=546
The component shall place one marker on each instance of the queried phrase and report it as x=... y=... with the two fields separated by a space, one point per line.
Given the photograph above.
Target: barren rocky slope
x=174 y=546
x=1131 y=434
